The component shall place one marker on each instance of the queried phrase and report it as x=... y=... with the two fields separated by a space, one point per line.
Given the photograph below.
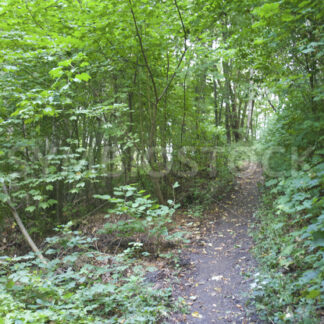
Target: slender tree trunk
x=227 y=123
x=215 y=103
x=250 y=121
x=165 y=119
x=228 y=117
x=127 y=155
x=21 y=226
x=183 y=124
x=234 y=114
x=157 y=96
x=243 y=116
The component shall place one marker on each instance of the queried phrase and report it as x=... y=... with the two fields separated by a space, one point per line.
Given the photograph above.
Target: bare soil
x=217 y=282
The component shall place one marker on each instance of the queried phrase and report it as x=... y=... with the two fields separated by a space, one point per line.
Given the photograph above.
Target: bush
x=289 y=287
x=135 y=213
x=78 y=285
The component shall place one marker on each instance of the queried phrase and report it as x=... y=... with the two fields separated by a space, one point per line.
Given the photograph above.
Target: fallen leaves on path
x=196 y=315
x=220 y=254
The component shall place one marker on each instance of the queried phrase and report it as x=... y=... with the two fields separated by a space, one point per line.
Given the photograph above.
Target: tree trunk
x=249 y=123
x=215 y=103
x=22 y=227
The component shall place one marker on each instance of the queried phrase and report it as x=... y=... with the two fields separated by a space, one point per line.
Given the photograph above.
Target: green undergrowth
x=289 y=237
x=133 y=214
x=79 y=284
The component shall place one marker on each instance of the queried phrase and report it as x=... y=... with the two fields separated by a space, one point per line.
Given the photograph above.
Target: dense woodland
x=147 y=107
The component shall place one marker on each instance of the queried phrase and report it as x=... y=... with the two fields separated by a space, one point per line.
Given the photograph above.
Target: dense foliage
x=290 y=237
x=95 y=96
x=289 y=287
x=125 y=103
x=78 y=285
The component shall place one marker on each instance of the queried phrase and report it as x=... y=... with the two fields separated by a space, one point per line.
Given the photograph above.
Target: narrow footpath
x=217 y=282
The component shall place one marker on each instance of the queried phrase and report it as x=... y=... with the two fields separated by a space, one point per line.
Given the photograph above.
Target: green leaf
x=83 y=77
x=10 y=284
x=271 y=182
x=103 y=197
x=43 y=205
x=268 y=9
x=313 y=294
x=176 y=185
x=56 y=72
x=65 y=63
x=30 y=209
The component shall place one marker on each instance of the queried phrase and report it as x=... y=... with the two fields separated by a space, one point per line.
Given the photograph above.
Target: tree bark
x=22 y=227
x=250 y=123
x=215 y=103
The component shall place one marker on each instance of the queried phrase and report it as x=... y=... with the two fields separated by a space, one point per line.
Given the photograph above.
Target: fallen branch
x=22 y=226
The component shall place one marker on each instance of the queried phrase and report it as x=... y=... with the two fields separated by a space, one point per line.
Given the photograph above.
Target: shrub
x=136 y=213
x=290 y=246
x=78 y=285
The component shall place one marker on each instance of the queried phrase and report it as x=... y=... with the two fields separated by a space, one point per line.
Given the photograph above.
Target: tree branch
x=182 y=24
x=32 y=16
x=182 y=56
x=143 y=53
x=272 y=106
x=21 y=226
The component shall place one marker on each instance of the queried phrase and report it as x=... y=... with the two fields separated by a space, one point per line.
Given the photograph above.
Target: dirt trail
x=221 y=260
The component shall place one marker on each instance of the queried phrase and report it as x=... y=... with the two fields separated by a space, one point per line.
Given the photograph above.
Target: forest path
x=220 y=259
